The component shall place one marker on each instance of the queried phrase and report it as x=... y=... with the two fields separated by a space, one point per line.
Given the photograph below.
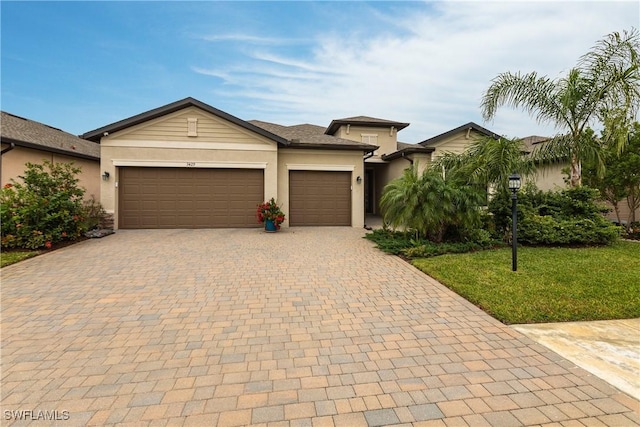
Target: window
x=370 y=138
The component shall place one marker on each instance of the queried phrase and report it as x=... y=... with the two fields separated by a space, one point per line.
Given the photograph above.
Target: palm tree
x=427 y=204
x=607 y=78
x=487 y=162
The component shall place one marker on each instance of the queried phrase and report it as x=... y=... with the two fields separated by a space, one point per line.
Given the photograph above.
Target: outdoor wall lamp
x=514 y=186
x=359 y=179
x=105 y=176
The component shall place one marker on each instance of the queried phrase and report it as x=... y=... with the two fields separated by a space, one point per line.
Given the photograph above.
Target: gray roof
x=28 y=133
x=531 y=141
x=311 y=136
x=404 y=148
x=363 y=121
x=468 y=126
x=97 y=134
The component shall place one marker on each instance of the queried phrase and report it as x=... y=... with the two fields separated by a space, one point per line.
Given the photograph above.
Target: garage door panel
x=189 y=198
x=319 y=198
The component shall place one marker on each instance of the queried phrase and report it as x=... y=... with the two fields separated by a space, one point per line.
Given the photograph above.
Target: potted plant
x=271 y=215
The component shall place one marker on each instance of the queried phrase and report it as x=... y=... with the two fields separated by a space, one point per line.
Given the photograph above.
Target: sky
x=81 y=65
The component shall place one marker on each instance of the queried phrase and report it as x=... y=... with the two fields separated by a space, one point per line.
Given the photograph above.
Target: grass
x=551 y=284
x=11 y=257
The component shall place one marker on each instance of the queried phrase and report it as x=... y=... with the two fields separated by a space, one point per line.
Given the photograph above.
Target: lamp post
x=514 y=186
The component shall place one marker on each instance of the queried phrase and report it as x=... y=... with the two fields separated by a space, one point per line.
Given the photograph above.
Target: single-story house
x=25 y=140
x=190 y=165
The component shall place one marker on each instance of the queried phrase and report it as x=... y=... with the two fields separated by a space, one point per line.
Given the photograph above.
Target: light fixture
x=514 y=186
x=514 y=182
x=105 y=176
x=359 y=179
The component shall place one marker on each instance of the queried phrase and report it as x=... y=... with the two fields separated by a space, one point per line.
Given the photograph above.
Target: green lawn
x=551 y=284
x=8 y=258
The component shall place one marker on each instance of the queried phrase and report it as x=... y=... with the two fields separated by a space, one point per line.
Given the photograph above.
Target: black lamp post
x=514 y=186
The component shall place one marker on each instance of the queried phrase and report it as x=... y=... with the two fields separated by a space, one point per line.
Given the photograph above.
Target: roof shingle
x=363 y=121
x=28 y=133
x=311 y=136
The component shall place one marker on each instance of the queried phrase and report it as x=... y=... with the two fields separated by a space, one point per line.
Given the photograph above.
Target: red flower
x=8 y=185
x=47 y=245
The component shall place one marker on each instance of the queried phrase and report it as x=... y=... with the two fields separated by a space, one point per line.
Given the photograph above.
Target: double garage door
x=226 y=198
x=189 y=198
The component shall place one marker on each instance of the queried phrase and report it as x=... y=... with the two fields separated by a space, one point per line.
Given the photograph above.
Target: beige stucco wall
x=13 y=165
x=387 y=140
x=624 y=210
x=163 y=142
x=550 y=177
x=327 y=160
x=457 y=143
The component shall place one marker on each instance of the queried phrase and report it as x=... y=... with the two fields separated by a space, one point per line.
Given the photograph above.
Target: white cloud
x=239 y=37
x=430 y=68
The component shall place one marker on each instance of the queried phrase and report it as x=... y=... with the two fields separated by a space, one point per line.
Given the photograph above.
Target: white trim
x=187 y=164
x=190 y=145
x=314 y=167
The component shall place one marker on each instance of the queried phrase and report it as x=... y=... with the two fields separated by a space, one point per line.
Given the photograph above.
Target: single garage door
x=319 y=198
x=189 y=198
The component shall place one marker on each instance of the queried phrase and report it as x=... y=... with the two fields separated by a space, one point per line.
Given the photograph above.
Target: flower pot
x=270 y=226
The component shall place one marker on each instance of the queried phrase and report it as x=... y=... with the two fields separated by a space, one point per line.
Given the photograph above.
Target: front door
x=369 y=193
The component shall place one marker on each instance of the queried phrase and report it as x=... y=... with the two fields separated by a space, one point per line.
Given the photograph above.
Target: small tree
x=429 y=205
x=621 y=179
x=45 y=208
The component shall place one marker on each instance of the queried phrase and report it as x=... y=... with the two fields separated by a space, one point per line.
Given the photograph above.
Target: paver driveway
x=309 y=326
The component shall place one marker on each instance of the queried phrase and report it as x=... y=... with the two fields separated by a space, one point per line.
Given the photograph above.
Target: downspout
x=3 y=152
x=404 y=156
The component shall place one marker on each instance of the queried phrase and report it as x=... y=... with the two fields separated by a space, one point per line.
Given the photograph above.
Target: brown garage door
x=189 y=198
x=319 y=198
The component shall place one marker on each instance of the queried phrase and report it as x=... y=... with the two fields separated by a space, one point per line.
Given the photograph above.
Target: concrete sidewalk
x=609 y=349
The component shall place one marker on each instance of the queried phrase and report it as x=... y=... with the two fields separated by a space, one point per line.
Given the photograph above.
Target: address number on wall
x=191 y=164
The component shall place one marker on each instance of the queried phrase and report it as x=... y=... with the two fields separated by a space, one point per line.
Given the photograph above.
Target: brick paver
x=308 y=326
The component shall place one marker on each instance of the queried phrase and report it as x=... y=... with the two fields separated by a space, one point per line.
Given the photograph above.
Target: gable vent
x=192 y=127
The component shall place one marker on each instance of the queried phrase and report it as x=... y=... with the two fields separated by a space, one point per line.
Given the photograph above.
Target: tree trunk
x=576 y=172
x=634 y=203
x=616 y=209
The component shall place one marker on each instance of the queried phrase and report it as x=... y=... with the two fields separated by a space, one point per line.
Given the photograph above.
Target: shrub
x=546 y=230
x=567 y=217
x=93 y=213
x=403 y=243
x=44 y=209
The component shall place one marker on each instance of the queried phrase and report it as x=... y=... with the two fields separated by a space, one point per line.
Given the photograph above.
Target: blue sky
x=82 y=65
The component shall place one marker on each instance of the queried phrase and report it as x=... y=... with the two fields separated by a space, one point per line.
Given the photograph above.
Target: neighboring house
x=551 y=177
x=190 y=165
x=25 y=140
x=548 y=176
